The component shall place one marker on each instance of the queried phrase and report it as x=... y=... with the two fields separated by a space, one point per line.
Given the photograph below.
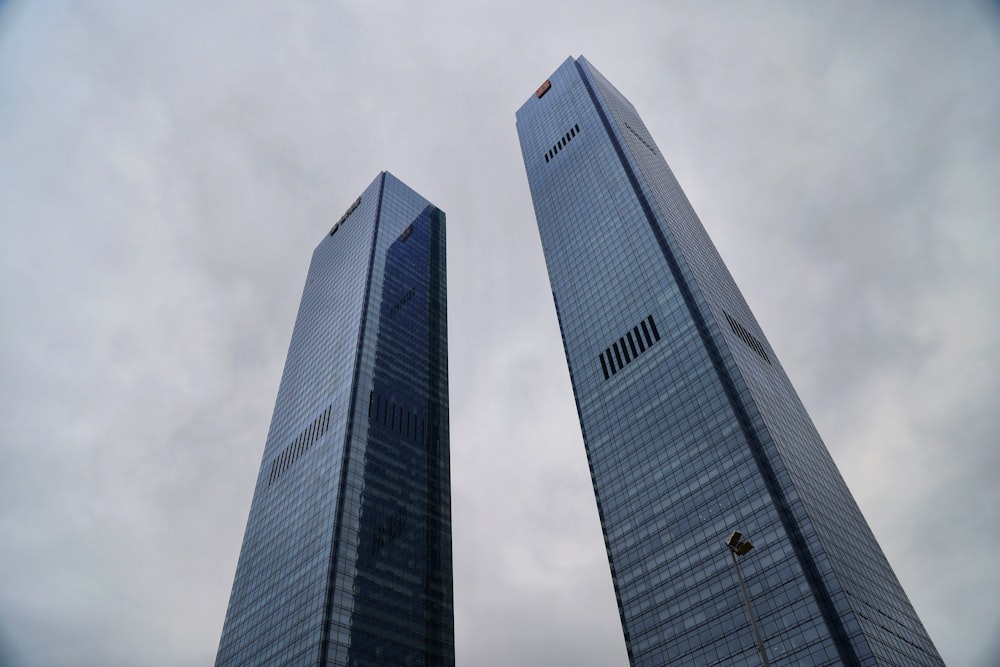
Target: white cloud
x=166 y=171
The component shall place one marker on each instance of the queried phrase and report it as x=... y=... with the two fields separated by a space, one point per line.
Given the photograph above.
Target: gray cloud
x=166 y=172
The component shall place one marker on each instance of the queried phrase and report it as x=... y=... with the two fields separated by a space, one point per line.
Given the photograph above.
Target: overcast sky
x=166 y=169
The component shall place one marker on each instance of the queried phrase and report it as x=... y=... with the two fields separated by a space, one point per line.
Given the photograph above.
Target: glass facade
x=346 y=559
x=692 y=429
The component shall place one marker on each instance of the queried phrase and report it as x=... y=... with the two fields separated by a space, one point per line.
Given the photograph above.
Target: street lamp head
x=737 y=544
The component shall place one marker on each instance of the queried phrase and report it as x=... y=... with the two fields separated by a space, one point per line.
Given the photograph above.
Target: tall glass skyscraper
x=692 y=429
x=346 y=559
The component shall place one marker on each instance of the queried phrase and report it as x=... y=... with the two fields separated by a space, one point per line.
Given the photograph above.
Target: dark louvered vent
x=402 y=302
x=389 y=414
x=350 y=209
x=628 y=347
x=639 y=137
x=747 y=337
x=561 y=144
x=300 y=445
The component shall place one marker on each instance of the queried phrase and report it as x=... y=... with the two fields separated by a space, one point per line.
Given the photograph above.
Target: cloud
x=168 y=169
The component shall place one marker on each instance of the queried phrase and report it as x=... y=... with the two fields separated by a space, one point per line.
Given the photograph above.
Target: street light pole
x=740 y=547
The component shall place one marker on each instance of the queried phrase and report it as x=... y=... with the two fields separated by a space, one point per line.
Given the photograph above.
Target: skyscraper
x=692 y=429
x=346 y=557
